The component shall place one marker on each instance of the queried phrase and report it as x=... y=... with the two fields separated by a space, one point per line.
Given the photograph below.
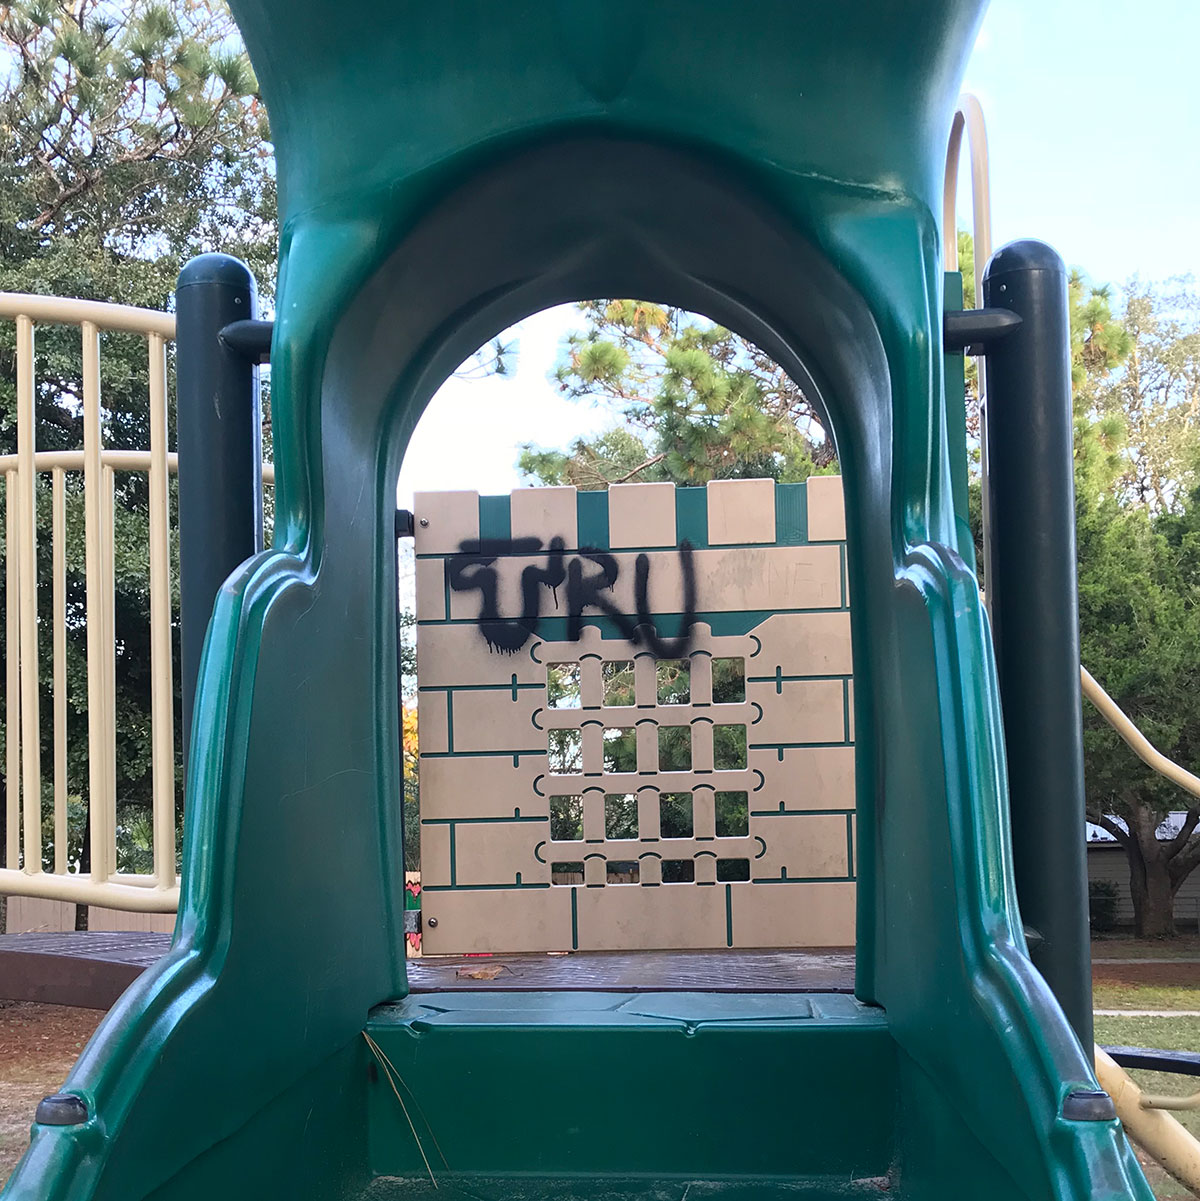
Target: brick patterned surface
x=580 y=790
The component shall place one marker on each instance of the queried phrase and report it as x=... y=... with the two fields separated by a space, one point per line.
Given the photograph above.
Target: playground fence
x=52 y=480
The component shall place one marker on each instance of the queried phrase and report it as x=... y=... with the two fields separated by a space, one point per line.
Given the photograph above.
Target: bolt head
x=423 y=522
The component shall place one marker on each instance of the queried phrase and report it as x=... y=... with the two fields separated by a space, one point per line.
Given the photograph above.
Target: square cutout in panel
x=620 y=750
x=733 y=815
x=678 y=871
x=729 y=748
x=566 y=818
x=675 y=748
x=570 y=872
x=674 y=678
x=618 y=682
x=622 y=871
x=728 y=681
x=563 y=686
x=733 y=869
x=620 y=815
x=675 y=817
x=565 y=757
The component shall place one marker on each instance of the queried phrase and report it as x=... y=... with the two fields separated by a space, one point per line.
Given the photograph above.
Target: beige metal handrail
x=22 y=872
x=1134 y=738
x=968 y=117
x=1150 y=1125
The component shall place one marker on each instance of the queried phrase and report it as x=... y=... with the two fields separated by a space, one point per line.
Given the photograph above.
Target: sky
x=1093 y=116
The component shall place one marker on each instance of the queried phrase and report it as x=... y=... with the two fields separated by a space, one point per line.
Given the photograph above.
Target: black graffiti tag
x=590 y=577
x=473 y=569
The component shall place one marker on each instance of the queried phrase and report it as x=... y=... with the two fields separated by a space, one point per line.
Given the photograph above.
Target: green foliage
x=696 y=402
x=406 y=632
x=1102 y=905
x=615 y=456
x=1156 y=394
x=131 y=138
x=1136 y=383
x=1137 y=390
x=1099 y=344
x=1139 y=616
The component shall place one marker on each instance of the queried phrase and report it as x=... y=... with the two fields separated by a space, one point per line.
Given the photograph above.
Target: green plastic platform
x=444 y=171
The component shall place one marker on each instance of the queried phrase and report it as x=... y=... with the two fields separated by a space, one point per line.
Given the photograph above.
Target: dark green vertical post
x=220 y=448
x=1031 y=585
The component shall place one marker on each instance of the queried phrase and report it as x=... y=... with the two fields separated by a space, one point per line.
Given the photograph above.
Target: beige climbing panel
x=587 y=785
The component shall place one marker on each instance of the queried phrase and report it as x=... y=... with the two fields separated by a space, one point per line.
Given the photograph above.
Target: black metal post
x=1031 y=585
x=220 y=447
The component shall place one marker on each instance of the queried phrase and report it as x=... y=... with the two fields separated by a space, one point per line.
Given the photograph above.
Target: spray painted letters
x=589 y=576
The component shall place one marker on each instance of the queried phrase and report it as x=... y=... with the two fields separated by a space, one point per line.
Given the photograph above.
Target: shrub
x=1102 y=905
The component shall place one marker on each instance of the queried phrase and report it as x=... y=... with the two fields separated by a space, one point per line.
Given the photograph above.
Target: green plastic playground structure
x=444 y=171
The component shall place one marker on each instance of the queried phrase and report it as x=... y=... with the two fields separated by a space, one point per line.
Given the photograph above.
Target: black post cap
x=221 y=269
x=1026 y=255
x=61 y=1109
x=1088 y=1105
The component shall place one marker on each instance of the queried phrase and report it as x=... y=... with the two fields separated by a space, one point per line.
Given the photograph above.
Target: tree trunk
x=1155 y=917
x=85 y=863
x=1150 y=883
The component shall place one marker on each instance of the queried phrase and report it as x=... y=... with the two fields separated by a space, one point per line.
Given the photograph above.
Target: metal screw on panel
x=424 y=521
x=432 y=922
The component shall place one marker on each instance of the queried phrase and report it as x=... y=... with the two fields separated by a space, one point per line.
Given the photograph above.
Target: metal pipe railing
x=23 y=872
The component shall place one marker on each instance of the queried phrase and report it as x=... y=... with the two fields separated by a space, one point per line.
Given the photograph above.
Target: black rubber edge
x=1088 y=1105
x=61 y=1109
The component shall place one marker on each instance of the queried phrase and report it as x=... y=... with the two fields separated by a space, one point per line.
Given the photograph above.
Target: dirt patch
x=38 y=1045
x=1148 y=975
x=1109 y=947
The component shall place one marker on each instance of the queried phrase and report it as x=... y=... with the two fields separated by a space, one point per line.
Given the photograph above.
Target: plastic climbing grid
x=618 y=693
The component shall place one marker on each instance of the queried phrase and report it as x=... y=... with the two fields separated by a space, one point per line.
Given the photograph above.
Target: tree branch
x=1180 y=840
x=1106 y=823
x=640 y=468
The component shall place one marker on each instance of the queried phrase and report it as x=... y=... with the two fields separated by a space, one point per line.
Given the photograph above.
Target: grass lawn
x=1171 y=1034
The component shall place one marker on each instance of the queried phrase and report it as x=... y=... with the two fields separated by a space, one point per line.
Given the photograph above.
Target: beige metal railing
x=23 y=872
x=968 y=117
x=24 y=473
